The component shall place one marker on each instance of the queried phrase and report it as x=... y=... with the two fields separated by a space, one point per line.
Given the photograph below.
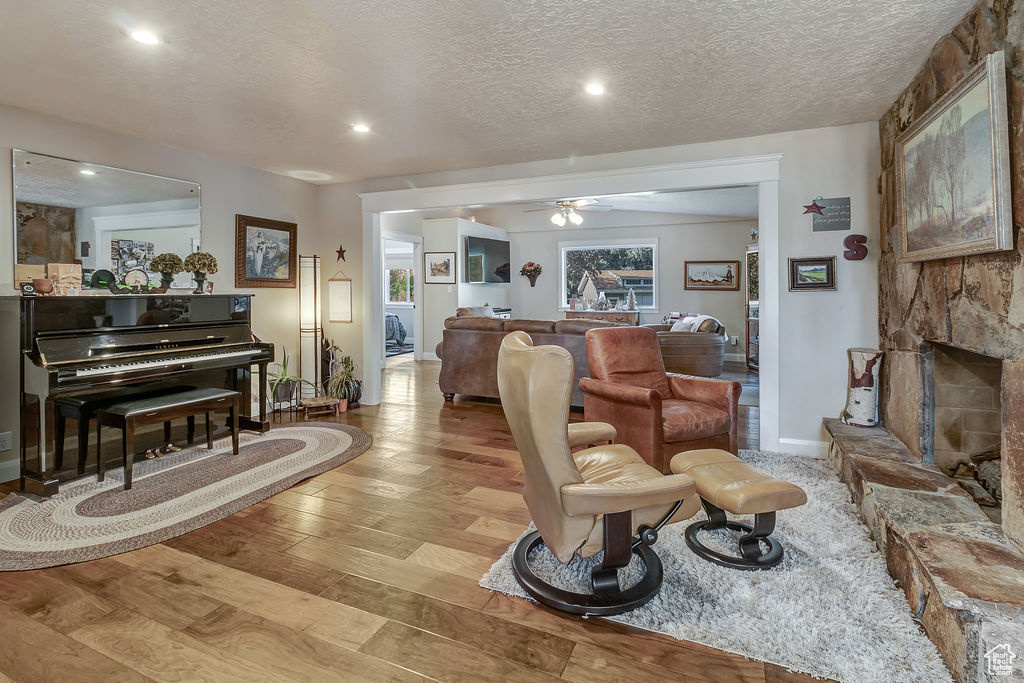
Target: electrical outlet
x=735 y=340
x=5 y=441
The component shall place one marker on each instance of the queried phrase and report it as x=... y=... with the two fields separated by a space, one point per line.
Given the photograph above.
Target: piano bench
x=164 y=408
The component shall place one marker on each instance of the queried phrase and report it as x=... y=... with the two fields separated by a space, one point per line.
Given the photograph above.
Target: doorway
x=402 y=320
x=760 y=171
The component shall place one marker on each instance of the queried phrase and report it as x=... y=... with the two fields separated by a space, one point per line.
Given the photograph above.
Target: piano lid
x=90 y=314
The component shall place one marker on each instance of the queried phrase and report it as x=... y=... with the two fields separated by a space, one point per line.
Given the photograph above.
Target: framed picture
x=812 y=274
x=265 y=252
x=439 y=267
x=953 y=171
x=712 y=275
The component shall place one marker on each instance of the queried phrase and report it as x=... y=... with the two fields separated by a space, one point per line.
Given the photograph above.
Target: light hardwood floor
x=367 y=572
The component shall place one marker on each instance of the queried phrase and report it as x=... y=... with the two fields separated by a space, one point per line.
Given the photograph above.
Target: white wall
x=227 y=189
x=817 y=327
x=679 y=238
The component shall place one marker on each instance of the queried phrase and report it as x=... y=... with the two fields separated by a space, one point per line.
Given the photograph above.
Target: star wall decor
x=341 y=252
x=814 y=207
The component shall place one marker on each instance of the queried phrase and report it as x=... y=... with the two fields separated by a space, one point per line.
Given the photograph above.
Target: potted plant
x=283 y=385
x=168 y=265
x=200 y=264
x=343 y=384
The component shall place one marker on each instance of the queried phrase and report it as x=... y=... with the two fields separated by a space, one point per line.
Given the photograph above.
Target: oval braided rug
x=170 y=496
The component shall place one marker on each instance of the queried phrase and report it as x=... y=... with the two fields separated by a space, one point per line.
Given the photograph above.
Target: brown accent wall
x=974 y=302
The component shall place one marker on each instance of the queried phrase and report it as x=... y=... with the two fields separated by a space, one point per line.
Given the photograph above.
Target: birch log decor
x=862 y=395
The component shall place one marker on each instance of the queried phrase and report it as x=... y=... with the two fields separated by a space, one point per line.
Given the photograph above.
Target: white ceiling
x=449 y=84
x=59 y=182
x=732 y=202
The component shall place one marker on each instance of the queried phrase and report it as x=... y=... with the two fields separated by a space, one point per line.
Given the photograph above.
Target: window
x=588 y=271
x=400 y=285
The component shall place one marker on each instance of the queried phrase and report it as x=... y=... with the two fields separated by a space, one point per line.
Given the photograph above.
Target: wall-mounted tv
x=487 y=260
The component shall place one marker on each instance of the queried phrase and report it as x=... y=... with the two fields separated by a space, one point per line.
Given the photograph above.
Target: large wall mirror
x=107 y=218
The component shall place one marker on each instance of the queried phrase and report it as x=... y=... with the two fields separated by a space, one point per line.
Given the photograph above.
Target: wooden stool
x=130 y=414
x=727 y=484
x=321 y=405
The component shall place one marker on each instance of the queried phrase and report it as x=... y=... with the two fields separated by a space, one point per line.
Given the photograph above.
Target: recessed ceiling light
x=87 y=171
x=594 y=89
x=309 y=175
x=144 y=37
x=360 y=128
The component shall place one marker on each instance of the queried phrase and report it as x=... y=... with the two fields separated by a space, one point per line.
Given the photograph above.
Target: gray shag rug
x=830 y=609
x=170 y=496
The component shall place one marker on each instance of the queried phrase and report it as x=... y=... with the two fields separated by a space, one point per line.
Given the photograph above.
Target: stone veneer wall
x=977 y=302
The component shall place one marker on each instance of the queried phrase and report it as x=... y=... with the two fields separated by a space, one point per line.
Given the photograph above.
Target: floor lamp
x=310 y=331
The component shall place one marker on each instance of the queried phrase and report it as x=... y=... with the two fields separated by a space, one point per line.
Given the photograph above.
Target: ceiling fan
x=567 y=210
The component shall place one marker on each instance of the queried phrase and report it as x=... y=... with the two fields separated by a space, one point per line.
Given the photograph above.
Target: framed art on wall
x=953 y=171
x=712 y=275
x=265 y=252
x=439 y=267
x=812 y=274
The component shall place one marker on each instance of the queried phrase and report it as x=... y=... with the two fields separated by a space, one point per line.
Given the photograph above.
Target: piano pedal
x=171 y=448
x=154 y=453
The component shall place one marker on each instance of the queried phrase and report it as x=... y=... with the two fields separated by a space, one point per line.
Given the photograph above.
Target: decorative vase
x=532 y=277
x=42 y=286
x=200 y=278
x=862 y=394
x=357 y=393
x=166 y=279
x=342 y=405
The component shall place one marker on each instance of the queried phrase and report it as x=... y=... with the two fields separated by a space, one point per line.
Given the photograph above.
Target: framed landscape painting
x=812 y=274
x=265 y=252
x=439 y=267
x=953 y=171
x=712 y=275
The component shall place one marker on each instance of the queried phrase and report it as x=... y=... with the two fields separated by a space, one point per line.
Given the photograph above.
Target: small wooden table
x=320 y=405
x=624 y=317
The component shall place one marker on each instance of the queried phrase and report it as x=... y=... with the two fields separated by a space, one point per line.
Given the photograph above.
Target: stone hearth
x=963 y=578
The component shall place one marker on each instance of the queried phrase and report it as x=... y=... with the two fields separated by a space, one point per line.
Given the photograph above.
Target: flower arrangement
x=531 y=270
x=167 y=263
x=200 y=262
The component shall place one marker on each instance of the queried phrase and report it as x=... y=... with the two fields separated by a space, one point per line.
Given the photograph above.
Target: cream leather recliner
x=584 y=502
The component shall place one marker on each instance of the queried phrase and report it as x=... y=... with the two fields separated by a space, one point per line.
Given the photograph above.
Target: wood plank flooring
x=367 y=572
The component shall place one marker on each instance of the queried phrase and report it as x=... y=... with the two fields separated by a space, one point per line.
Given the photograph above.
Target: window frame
x=644 y=243
x=409 y=288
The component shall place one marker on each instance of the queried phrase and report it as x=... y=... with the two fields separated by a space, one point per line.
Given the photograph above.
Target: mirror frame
x=14 y=196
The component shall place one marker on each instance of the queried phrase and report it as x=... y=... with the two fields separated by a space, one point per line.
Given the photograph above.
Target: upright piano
x=88 y=345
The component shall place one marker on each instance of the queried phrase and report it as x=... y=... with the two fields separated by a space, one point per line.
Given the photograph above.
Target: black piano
x=91 y=345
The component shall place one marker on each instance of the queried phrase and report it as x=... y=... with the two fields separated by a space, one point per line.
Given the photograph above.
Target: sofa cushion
x=470 y=311
x=688 y=420
x=580 y=325
x=683 y=325
x=524 y=325
x=475 y=323
x=709 y=325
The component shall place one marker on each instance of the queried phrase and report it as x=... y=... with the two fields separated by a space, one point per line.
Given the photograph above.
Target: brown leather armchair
x=584 y=502
x=657 y=413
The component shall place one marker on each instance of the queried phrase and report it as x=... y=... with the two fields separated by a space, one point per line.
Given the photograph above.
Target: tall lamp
x=310 y=331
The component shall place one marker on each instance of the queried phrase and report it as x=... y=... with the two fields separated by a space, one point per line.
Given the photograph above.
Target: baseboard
x=742 y=357
x=10 y=470
x=815 y=449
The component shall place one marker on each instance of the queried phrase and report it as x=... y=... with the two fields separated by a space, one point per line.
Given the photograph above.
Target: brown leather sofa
x=657 y=413
x=692 y=353
x=469 y=351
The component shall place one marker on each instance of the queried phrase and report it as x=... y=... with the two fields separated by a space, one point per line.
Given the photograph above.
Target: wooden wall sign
x=856 y=247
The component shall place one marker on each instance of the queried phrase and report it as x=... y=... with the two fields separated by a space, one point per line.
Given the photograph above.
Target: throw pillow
x=684 y=325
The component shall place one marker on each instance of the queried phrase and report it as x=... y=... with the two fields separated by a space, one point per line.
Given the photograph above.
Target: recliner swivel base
x=751 y=555
x=607 y=599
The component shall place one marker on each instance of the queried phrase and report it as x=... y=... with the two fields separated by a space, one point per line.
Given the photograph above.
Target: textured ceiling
x=451 y=84
x=59 y=182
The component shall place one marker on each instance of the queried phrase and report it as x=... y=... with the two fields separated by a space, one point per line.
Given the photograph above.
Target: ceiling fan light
x=558 y=219
x=575 y=218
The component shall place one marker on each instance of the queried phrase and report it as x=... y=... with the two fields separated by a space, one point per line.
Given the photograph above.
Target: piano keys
x=81 y=346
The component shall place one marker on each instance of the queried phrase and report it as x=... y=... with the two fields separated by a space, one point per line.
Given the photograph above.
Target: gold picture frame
x=953 y=171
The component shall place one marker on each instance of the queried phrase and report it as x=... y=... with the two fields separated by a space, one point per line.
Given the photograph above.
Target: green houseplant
x=342 y=383
x=168 y=265
x=283 y=385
